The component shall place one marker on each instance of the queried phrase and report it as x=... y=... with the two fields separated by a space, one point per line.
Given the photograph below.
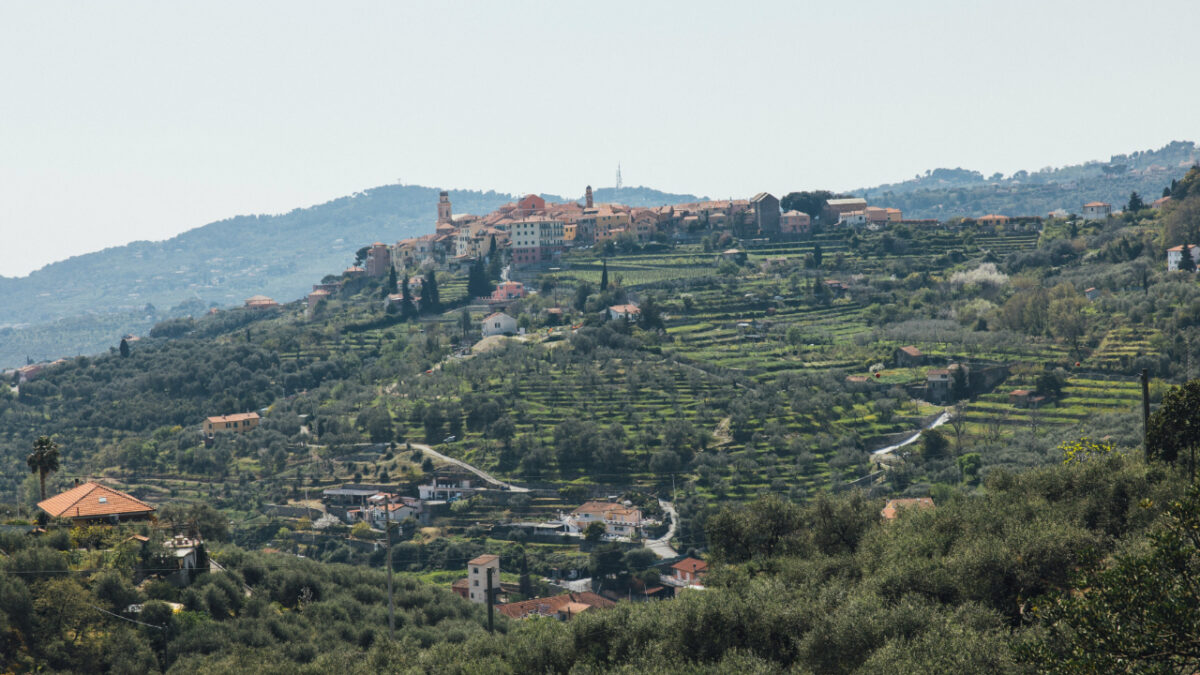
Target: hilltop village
x=554 y=419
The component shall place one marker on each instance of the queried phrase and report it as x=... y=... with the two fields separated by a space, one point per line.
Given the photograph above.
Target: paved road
x=662 y=545
x=478 y=472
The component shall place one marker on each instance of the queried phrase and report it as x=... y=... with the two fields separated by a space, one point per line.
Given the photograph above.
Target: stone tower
x=588 y=196
x=444 y=213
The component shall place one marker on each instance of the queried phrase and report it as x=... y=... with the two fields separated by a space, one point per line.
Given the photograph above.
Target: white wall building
x=498 y=324
x=477 y=577
x=1175 y=256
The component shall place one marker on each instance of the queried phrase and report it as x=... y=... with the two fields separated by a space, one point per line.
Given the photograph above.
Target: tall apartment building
x=536 y=239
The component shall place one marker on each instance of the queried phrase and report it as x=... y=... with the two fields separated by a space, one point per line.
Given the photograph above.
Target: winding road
x=941 y=419
x=662 y=545
x=478 y=472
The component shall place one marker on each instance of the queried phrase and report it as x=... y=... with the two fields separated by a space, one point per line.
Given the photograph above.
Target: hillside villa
x=93 y=502
x=238 y=423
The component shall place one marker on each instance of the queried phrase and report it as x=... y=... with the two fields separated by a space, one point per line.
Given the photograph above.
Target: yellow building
x=239 y=423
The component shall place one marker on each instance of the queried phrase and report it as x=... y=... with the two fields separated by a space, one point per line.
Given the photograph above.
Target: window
x=474 y=583
x=104 y=500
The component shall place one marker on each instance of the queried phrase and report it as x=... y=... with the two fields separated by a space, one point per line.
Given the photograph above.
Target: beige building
x=239 y=423
x=477 y=577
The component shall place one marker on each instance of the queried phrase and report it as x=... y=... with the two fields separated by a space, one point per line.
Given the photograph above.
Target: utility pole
x=1146 y=413
x=491 y=610
x=391 y=600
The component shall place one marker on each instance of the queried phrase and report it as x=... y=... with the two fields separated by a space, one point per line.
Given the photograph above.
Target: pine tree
x=604 y=277
x=1135 y=202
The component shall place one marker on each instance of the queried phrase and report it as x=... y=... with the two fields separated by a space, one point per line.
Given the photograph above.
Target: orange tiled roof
x=233 y=418
x=894 y=505
x=690 y=565
x=483 y=559
x=93 y=500
x=553 y=604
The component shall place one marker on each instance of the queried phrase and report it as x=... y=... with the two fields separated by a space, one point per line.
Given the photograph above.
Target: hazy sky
x=122 y=121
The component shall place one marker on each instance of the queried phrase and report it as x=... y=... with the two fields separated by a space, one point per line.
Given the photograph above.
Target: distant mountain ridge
x=85 y=303
x=948 y=193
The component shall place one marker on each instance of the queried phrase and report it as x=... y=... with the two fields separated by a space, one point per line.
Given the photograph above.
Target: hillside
x=83 y=305
x=950 y=193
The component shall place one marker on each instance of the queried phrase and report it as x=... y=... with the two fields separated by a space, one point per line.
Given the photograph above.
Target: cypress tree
x=604 y=277
x=430 y=302
x=407 y=308
x=124 y=348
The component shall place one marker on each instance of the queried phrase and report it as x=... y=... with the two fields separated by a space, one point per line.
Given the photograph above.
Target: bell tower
x=588 y=196
x=444 y=212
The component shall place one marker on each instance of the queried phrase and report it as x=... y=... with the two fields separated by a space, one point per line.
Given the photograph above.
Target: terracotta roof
x=894 y=505
x=554 y=604
x=1180 y=247
x=239 y=417
x=1019 y=392
x=93 y=500
x=1096 y=204
x=483 y=559
x=690 y=565
x=911 y=351
x=489 y=317
x=625 y=309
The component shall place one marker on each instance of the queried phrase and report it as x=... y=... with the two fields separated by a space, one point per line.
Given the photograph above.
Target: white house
x=1097 y=210
x=618 y=520
x=499 y=324
x=477 y=577
x=628 y=312
x=1175 y=256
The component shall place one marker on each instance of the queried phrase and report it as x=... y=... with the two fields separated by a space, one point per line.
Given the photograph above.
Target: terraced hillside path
x=662 y=545
x=477 y=471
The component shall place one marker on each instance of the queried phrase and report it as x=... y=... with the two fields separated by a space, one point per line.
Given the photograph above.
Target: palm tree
x=43 y=459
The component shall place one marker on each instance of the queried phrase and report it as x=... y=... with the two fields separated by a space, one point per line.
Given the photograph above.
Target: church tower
x=444 y=213
x=588 y=196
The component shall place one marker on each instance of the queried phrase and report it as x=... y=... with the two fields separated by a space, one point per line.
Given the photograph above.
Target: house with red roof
x=894 y=506
x=92 y=501
x=562 y=607
x=1097 y=210
x=689 y=571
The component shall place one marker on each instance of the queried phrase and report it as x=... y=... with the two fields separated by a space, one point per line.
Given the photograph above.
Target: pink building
x=509 y=290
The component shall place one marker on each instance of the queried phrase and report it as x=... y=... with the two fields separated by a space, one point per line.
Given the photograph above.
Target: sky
x=122 y=121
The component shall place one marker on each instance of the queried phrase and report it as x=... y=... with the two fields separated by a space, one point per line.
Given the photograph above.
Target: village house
x=379 y=260
x=834 y=208
x=562 y=607
x=893 y=507
x=477 y=575
x=93 y=502
x=498 y=324
x=238 y=423
x=852 y=218
x=992 y=220
x=508 y=290
x=1091 y=293
x=628 y=312
x=766 y=212
x=688 y=572
x=619 y=520
x=1175 y=256
x=447 y=485
x=908 y=357
x=795 y=222
x=260 y=302
x=939 y=382
x=1097 y=210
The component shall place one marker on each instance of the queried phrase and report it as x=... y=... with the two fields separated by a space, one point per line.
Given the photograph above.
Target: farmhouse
x=629 y=312
x=1175 y=256
x=498 y=324
x=1097 y=210
x=907 y=357
x=95 y=502
x=238 y=424
x=562 y=607
x=688 y=571
x=618 y=520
